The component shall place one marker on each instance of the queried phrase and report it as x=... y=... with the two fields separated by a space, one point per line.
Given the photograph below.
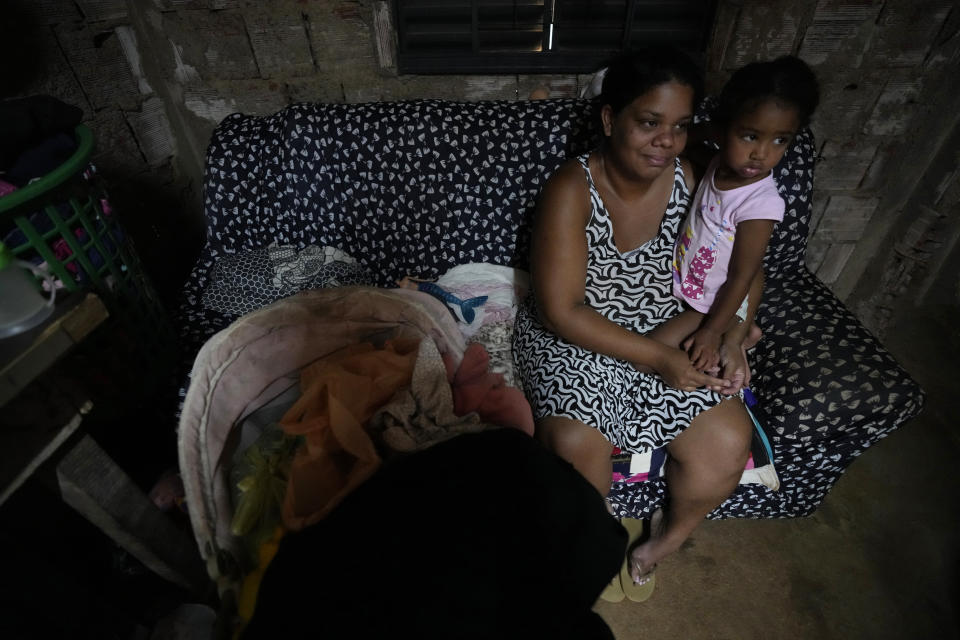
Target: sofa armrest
x=824 y=382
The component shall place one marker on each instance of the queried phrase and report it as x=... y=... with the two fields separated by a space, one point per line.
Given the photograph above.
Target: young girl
x=719 y=252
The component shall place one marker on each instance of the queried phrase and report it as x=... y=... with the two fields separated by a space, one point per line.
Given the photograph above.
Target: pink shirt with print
x=702 y=254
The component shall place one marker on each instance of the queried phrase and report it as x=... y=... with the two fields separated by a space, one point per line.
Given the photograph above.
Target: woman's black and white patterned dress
x=634 y=410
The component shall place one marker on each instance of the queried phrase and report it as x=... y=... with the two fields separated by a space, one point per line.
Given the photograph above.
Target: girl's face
x=646 y=136
x=756 y=140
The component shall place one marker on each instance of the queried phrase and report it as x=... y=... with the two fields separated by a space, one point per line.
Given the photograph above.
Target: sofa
x=416 y=188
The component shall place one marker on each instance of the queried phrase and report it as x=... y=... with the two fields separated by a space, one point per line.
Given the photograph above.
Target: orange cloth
x=339 y=393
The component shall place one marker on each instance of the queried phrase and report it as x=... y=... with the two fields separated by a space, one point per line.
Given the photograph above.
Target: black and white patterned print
x=246 y=281
x=633 y=410
x=405 y=188
x=240 y=283
x=419 y=187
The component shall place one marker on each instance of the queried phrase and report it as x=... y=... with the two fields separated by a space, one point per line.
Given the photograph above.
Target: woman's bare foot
x=645 y=556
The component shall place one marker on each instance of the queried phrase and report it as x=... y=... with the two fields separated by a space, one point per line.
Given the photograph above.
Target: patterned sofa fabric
x=404 y=187
x=416 y=188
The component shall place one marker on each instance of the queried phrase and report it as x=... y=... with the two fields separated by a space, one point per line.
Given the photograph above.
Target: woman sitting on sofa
x=603 y=243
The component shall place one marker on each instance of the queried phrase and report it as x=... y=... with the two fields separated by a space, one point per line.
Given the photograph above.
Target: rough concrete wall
x=216 y=57
x=889 y=102
x=917 y=263
x=155 y=76
x=86 y=54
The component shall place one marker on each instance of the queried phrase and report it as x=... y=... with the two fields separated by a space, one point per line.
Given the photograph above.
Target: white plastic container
x=21 y=305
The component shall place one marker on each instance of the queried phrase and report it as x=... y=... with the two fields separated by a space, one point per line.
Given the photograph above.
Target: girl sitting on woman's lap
x=595 y=367
x=719 y=253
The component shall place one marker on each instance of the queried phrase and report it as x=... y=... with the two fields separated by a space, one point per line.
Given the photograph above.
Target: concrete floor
x=878 y=559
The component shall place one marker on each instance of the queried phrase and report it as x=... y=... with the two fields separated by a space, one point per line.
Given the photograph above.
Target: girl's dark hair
x=633 y=73
x=787 y=80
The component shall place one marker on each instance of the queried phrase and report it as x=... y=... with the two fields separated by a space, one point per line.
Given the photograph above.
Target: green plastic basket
x=63 y=220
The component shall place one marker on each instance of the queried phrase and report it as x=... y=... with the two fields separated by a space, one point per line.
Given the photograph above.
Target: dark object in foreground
x=486 y=535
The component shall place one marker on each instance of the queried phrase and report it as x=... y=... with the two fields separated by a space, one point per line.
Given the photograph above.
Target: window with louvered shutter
x=540 y=36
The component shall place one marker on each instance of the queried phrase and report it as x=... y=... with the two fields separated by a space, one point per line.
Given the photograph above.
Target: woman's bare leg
x=705 y=464
x=582 y=446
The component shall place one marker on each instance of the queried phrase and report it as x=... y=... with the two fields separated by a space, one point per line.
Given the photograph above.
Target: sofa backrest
x=413 y=188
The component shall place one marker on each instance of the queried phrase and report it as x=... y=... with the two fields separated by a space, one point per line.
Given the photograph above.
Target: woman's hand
x=675 y=368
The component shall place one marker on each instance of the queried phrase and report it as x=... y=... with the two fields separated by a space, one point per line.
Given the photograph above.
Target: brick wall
x=87 y=54
x=257 y=57
x=155 y=77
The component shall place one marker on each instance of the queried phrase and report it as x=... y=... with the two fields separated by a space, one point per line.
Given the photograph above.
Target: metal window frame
x=444 y=62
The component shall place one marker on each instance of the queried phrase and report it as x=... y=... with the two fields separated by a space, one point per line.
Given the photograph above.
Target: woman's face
x=648 y=134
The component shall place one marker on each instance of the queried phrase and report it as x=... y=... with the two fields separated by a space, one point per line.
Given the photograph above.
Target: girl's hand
x=675 y=368
x=734 y=367
x=703 y=347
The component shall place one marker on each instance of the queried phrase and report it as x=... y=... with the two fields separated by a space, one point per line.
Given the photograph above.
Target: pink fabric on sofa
x=475 y=388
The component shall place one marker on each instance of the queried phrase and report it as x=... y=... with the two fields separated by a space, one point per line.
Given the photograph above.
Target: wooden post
x=98 y=489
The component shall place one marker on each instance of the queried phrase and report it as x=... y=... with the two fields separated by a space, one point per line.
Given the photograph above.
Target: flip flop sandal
x=613 y=592
x=635 y=592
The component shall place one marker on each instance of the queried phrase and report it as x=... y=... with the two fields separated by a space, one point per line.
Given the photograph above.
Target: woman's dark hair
x=633 y=73
x=787 y=80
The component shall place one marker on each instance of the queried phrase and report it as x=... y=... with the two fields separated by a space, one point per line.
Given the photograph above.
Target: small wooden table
x=41 y=414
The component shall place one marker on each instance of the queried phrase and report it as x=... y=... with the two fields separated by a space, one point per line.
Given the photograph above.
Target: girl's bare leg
x=753 y=336
x=674 y=331
x=678 y=328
